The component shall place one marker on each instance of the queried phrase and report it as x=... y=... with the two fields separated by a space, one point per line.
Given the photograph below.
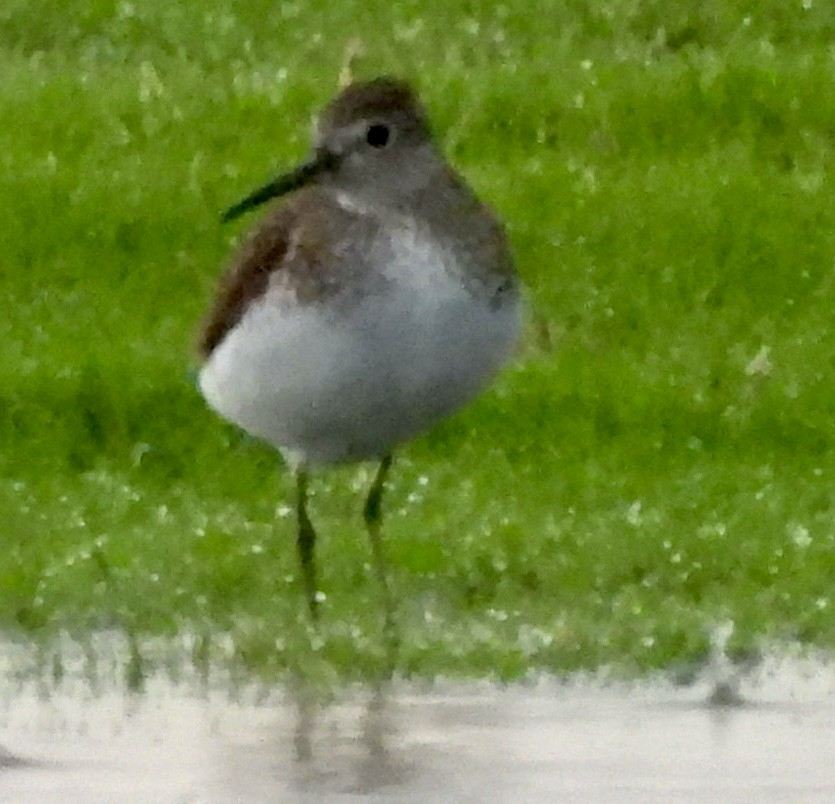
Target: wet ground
x=767 y=737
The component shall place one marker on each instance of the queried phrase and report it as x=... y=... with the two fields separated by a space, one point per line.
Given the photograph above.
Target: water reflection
x=582 y=740
x=350 y=748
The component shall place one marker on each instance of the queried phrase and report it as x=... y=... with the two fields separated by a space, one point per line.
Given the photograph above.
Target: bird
x=375 y=297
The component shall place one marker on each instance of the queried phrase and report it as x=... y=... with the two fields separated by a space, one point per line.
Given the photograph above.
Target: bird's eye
x=377 y=135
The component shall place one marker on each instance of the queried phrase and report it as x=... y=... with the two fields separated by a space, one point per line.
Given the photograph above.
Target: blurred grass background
x=657 y=460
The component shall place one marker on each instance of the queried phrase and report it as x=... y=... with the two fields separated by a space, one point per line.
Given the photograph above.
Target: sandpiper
x=375 y=300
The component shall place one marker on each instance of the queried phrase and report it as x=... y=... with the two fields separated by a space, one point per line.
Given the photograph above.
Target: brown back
x=305 y=240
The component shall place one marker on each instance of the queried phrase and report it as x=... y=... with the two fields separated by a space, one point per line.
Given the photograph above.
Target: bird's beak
x=321 y=162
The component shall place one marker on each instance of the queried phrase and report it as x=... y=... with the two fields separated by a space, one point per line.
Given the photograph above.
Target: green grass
x=665 y=174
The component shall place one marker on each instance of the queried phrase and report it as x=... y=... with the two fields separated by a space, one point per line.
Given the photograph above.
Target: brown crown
x=380 y=97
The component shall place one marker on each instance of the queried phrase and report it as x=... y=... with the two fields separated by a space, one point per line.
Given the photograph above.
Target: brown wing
x=301 y=239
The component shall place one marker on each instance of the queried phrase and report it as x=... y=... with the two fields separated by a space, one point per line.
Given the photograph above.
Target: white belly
x=336 y=381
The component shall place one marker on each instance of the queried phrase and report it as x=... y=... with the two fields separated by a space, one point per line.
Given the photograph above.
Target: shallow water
x=582 y=741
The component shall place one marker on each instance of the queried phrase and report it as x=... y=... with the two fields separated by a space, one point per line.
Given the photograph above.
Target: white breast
x=334 y=381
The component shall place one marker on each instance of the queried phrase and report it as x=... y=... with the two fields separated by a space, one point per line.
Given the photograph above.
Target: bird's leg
x=372 y=513
x=306 y=541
